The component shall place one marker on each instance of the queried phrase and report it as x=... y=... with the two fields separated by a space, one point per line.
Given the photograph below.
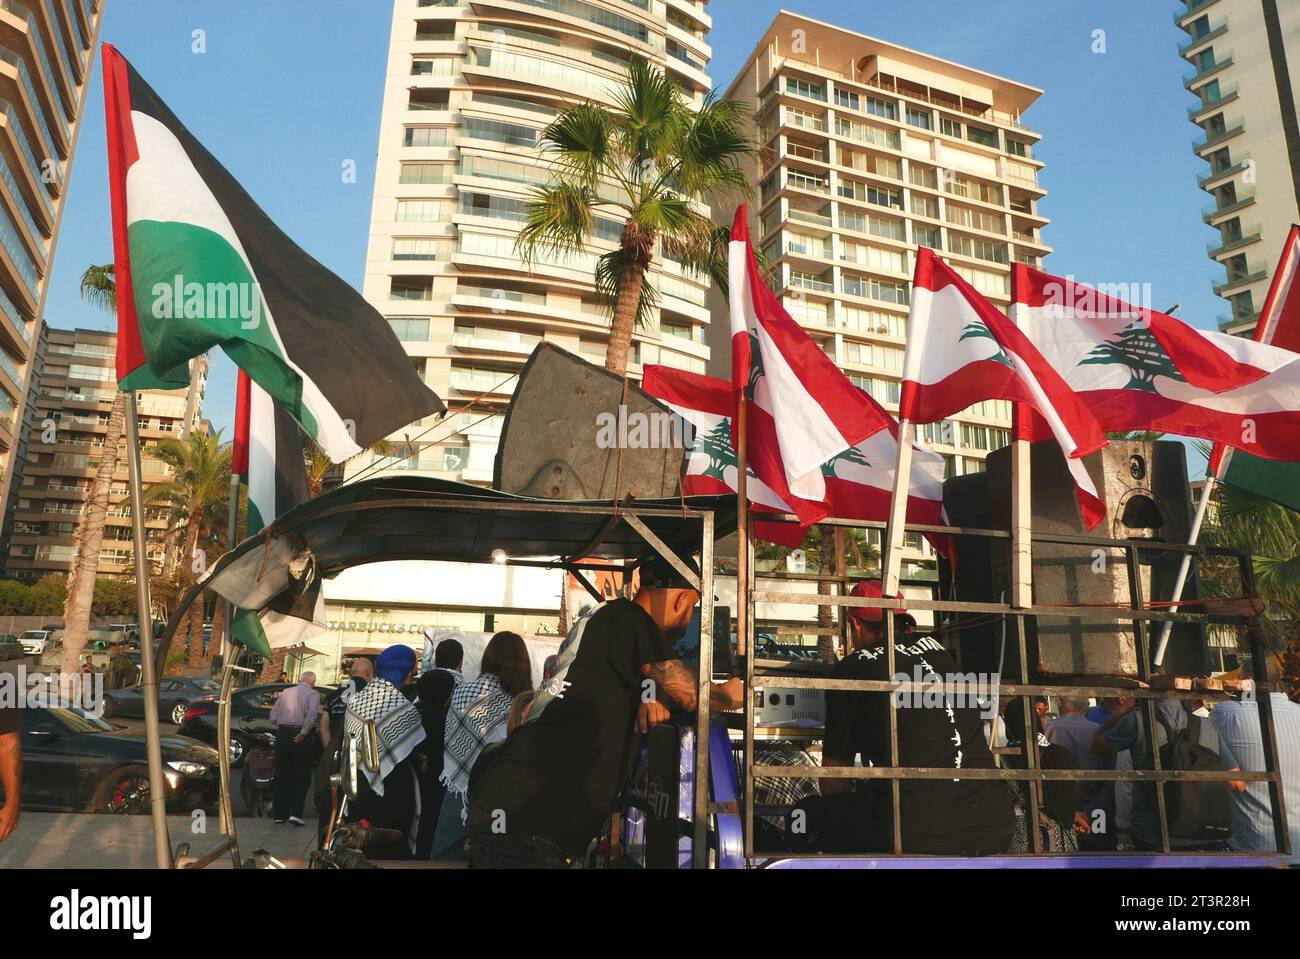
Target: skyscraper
x=870 y=151
x=1245 y=57
x=469 y=88
x=69 y=405
x=46 y=51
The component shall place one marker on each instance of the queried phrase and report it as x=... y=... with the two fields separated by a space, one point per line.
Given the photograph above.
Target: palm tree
x=648 y=162
x=198 y=497
x=1272 y=534
x=99 y=289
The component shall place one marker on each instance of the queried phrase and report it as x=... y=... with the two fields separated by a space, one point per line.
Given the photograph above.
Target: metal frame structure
x=626 y=512
x=764 y=672
x=768 y=672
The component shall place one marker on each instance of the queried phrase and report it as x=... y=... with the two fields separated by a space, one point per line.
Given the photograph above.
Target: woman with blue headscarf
x=389 y=798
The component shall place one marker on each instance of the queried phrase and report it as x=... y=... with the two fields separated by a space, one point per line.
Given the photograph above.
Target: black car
x=250 y=714
x=74 y=761
x=175 y=696
x=10 y=648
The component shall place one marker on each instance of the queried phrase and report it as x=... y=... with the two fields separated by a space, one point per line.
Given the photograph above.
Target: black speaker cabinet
x=1144 y=485
x=569 y=434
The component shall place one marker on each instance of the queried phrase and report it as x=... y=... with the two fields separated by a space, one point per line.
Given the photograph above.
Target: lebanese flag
x=803 y=410
x=1138 y=369
x=961 y=349
x=859 y=481
x=199 y=265
x=267 y=452
x=1092 y=508
x=1279 y=326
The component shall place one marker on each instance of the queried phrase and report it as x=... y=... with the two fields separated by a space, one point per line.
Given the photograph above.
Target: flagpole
x=898 y=510
x=162 y=852
x=1185 y=567
x=1022 y=517
x=227 y=808
x=742 y=527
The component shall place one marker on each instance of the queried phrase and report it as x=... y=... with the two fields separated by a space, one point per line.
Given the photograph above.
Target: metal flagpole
x=1022 y=516
x=227 y=808
x=744 y=555
x=1185 y=567
x=898 y=510
x=162 y=851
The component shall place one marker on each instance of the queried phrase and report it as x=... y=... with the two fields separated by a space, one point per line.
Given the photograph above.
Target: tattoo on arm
x=674 y=683
x=11 y=761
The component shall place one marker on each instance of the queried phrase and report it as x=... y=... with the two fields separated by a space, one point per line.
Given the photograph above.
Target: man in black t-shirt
x=968 y=817
x=540 y=797
x=11 y=767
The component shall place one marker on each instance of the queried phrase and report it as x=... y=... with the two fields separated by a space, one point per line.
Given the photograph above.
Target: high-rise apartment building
x=46 y=51
x=70 y=403
x=869 y=152
x=1245 y=57
x=470 y=86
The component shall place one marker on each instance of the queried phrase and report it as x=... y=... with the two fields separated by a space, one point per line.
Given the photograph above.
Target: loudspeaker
x=570 y=434
x=1144 y=486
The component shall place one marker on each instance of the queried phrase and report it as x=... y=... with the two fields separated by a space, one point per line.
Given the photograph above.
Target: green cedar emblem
x=1136 y=348
x=975 y=329
x=716 y=445
x=850 y=455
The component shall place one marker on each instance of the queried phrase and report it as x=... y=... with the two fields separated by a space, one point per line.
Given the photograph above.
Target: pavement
x=48 y=840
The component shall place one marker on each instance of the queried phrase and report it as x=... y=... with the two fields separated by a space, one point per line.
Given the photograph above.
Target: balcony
x=1214 y=211
x=1218 y=30
x=1216 y=250
x=803 y=282
x=808 y=216
x=495 y=343
x=1214 y=140
x=1231 y=170
x=1254 y=274
x=1204 y=73
x=1196 y=113
x=1193 y=7
x=1233 y=324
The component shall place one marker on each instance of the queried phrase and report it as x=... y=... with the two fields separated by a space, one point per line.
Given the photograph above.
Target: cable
x=375 y=467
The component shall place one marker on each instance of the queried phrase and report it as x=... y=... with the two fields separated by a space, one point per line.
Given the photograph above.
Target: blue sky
x=288 y=90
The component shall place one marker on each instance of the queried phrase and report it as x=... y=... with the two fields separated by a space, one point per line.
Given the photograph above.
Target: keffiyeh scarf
x=477 y=717
x=397 y=725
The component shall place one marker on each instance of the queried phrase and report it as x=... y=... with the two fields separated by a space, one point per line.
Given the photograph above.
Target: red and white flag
x=859 y=481
x=1279 y=326
x=1138 y=369
x=803 y=410
x=961 y=349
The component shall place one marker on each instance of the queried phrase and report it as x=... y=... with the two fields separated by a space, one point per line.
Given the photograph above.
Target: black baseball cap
x=657 y=573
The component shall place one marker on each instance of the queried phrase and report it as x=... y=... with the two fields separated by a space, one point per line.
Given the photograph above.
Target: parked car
x=74 y=761
x=35 y=641
x=250 y=714
x=125 y=631
x=175 y=696
x=10 y=647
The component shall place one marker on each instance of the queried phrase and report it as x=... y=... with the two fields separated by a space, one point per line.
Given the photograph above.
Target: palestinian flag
x=1279 y=326
x=1137 y=369
x=859 y=481
x=803 y=410
x=267 y=452
x=199 y=265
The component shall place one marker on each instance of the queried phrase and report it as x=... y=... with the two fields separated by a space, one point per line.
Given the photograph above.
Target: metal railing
x=1138 y=612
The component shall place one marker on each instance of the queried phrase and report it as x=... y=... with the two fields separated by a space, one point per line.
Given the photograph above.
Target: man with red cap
x=968 y=817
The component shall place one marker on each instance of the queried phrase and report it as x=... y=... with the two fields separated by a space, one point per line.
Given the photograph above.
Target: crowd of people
x=510 y=769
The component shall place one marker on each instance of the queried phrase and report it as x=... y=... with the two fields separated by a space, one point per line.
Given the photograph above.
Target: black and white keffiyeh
x=477 y=717
x=397 y=725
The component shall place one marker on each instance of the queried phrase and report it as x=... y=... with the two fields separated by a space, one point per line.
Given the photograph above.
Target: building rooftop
x=857 y=56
